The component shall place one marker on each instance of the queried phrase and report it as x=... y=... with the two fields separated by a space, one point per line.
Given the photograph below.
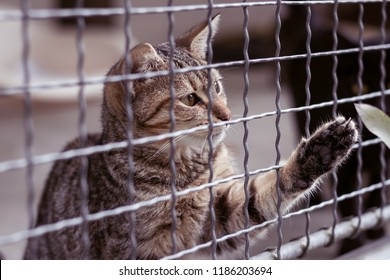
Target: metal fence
x=275 y=59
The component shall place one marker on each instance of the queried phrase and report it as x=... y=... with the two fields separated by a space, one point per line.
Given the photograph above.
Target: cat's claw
x=328 y=146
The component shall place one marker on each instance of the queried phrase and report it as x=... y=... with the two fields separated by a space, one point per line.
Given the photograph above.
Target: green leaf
x=376 y=121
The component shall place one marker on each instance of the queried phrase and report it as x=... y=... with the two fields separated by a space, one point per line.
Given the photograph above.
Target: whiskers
x=198 y=144
x=164 y=147
x=204 y=145
x=233 y=127
x=223 y=70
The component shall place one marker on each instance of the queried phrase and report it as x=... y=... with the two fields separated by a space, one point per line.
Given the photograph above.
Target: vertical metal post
x=307 y=112
x=382 y=156
x=130 y=119
x=211 y=129
x=83 y=134
x=173 y=124
x=334 y=111
x=246 y=130
x=27 y=116
x=277 y=122
x=360 y=125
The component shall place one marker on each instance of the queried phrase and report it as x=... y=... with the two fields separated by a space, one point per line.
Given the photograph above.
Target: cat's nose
x=227 y=116
x=222 y=113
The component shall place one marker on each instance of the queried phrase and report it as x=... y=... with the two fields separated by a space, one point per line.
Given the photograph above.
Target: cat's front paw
x=327 y=147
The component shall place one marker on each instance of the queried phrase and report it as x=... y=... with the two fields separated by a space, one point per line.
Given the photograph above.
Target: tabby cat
x=108 y=172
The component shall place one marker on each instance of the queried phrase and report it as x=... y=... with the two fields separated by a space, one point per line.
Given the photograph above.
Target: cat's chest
x=222 y=168
x=190 y=171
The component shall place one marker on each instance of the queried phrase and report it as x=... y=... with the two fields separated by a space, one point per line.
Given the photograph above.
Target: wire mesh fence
x=318 y=58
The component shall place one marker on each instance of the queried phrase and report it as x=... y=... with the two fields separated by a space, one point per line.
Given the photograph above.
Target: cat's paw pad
x=328 y=146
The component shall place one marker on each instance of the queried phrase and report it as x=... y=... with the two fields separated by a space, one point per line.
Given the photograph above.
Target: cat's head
x=151 y=97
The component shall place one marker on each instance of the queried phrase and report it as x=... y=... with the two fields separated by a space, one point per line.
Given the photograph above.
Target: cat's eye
x=190 y=99
x=217 y=87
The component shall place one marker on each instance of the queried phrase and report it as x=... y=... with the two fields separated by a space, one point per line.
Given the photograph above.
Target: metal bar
x=382 y=85
x=300 y=212
x=50 y=157
x=88 y=12
x=22 y=235
x=172 y=163
x=213 y=234
x=28 y=124
x=277 y=125
x=359 y=169
x=130 y=137
x=6 y=91
x=307 y=112
x=83 y=133
x=246 y=130
x=227 y=179
x=322 y=237
x=335 y=79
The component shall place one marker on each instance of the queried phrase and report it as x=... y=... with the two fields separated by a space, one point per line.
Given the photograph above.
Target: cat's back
x=61 y=199
x=62 y=189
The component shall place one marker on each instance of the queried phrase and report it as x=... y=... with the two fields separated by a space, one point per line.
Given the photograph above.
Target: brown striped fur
x=108 y=172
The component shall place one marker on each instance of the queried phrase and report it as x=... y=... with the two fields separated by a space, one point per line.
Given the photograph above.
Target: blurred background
x=55 y=112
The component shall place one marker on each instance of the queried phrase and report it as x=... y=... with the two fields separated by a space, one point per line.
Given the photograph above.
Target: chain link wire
x=307 y=112
x=334 y=112
x=172 y=163
x=277 y=126
x=83 y=132
x=27 y=116
x=246 y=130
x=127 y=4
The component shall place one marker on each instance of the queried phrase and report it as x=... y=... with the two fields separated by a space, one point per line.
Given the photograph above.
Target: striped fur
x=108 y=172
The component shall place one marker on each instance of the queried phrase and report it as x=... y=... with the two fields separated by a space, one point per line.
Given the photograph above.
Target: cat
x=108 y=172
x=321 y=86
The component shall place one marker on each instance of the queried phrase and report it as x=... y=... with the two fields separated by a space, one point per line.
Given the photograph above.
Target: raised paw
x=326 y=148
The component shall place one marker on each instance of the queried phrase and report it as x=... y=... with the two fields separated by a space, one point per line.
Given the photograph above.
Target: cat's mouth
x=217 y=133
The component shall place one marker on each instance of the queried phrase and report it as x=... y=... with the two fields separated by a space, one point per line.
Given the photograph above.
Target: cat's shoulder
x=66 y=170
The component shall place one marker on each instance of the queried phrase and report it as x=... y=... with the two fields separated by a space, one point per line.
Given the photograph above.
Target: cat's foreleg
x=314 y=158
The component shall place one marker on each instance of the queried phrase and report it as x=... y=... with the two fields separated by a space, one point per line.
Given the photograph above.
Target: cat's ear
x=144 y=57
x=195 y=40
